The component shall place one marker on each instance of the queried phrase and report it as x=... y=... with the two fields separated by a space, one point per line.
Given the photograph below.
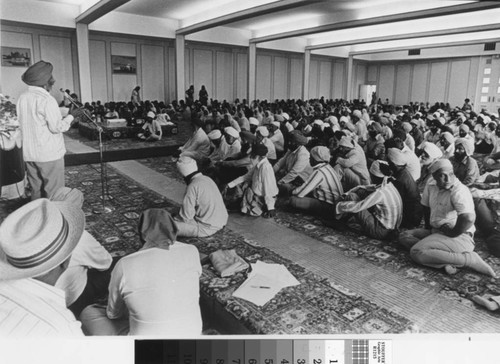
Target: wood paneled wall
x=450 y=80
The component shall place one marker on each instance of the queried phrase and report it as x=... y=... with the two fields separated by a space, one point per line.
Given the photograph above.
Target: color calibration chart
x=269 y=351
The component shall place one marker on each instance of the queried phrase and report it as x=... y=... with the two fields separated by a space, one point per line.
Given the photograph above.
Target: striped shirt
x=32 y=308
x=42 y=125
x=385 y=204
x=324 y=183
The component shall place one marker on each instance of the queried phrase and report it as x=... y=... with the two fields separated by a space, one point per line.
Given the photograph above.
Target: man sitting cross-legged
x=448 y=239
x=322 y=189
x=377 y=208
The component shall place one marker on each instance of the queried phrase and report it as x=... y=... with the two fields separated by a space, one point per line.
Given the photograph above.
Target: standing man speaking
x=42 y=126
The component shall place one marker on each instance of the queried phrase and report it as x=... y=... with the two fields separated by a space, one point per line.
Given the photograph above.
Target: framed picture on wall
x=16 y=57
x=124 y=64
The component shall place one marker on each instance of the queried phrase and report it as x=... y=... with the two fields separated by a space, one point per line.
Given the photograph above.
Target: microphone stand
x=104 y=186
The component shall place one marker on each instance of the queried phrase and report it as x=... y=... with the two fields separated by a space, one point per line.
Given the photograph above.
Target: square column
x=180 y=82
x=305 y=76
x=82 y=43
x=252 y=72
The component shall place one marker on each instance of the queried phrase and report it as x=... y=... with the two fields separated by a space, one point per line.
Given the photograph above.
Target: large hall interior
x=330 y=76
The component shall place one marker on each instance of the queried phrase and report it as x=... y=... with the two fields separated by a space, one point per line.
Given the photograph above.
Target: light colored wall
x=450 y=80
x=55 y=46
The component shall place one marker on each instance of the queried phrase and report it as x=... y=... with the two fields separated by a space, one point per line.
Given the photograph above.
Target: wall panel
x=325 y=79
x=57 y=50
x=11 y=84
x=224 y=80
x=372 y=72
x=459 y=79
x=263 y=77
x=419 y=82
x=385 y=88
x=437 y=88
x=171 y=74
x=98 y=67
x=153 y=72
x=338 y=89
x=123 y=84
x=359 y=78
x=402 y=84
x=313 y=79
x=280 y=78
x=296 y=74
x=241 y=76
x=203 y=71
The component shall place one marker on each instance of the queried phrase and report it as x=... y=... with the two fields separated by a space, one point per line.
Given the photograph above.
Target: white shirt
x=32 y=308
x=159 y=290
x=89 y=253
x=42 y=125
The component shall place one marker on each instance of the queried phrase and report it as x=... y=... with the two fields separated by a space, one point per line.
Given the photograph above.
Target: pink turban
x=38 y=74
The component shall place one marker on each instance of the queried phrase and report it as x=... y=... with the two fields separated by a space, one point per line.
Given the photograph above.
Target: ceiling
x=360 y=25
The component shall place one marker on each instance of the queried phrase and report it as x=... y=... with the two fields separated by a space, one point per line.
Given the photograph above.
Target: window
x=487 y=71
x=485 y=90
x=486 y=80
x=484 y=98
x=498 y=90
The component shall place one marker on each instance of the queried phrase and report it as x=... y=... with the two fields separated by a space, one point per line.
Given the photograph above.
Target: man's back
x=160 y=290
x=32 y=308
x=203 y=202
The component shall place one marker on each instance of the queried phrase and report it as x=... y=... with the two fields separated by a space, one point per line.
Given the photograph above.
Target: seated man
x=322 y=189
x=277 y=138
x=351 y=164
x=293 y=168
x=151 y=130
x=31 y=305
x=464 y=166
x=259 y=190
x=198 y=145
x=378 y=209
x=261 y=135
x=430 y=154
x=407 y=188
x=154 y=291
x=447 y=241
x=202 y=212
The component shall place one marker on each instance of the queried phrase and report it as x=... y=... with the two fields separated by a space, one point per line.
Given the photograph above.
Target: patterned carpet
x=388 y=255
x=316 y=306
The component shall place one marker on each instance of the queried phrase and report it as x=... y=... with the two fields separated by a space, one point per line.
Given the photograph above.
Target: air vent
x=414 y=52
x=490 y=46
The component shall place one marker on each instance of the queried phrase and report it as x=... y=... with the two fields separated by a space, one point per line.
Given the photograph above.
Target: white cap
x=214 y=134
x=263 y=131
x=232 y=131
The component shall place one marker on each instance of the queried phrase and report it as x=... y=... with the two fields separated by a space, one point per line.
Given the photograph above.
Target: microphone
x=66 y=95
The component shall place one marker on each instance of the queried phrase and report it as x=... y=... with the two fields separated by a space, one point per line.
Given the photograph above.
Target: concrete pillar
x=349 y=77
x=82 y=43
x=180 y=82
x=305 y=76
x=252 y=72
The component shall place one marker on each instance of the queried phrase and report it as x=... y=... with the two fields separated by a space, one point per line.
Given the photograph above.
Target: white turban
x=214 y=134
x=232 y=131
x=186 y=166
x=263 y=131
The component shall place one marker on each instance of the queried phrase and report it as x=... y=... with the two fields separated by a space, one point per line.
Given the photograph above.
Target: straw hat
x=38 y=237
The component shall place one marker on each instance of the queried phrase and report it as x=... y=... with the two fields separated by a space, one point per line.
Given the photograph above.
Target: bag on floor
x=227 y=262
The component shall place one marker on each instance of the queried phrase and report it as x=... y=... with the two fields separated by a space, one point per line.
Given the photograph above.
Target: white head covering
x=253 y=121
x=186 y=166
x=263 y=131
x=214 y=134
x=232 y=131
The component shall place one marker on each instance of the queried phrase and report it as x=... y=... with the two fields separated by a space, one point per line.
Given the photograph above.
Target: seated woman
x=151 y=130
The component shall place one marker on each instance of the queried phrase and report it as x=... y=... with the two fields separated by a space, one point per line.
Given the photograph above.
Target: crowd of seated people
x=402 y=173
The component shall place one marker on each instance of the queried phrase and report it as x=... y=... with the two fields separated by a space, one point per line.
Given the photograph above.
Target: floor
x=431 y=305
